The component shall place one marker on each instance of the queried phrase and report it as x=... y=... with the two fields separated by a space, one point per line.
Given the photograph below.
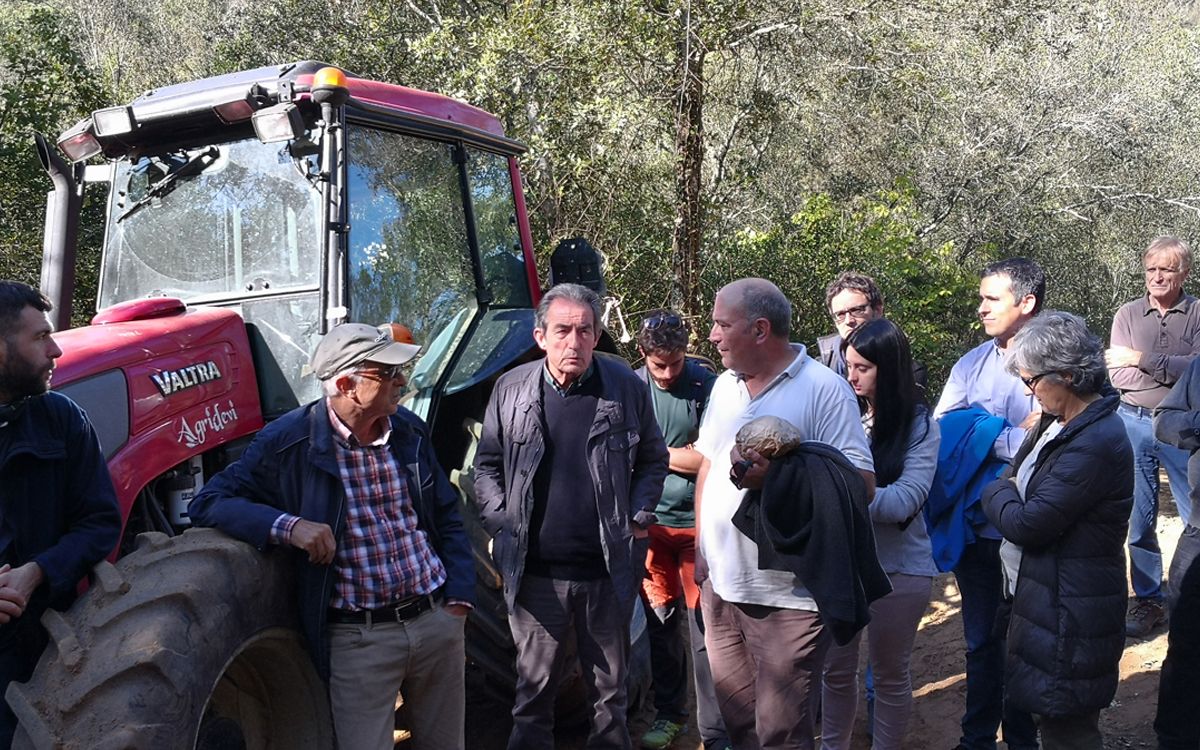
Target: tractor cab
x=300 y=197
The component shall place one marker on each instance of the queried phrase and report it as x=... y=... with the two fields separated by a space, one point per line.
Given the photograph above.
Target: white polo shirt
x=823 y=407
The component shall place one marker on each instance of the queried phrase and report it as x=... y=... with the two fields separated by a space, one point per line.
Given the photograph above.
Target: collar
x=1182 y=305
x=343 y=434
x=547 y=377
x=791 y=371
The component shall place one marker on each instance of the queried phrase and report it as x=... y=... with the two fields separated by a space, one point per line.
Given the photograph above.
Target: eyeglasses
x=858 y=311
x=1032 y=380
x=381 y=372
x=662 y=320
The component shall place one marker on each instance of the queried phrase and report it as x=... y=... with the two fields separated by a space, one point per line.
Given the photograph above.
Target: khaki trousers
x=422 y=658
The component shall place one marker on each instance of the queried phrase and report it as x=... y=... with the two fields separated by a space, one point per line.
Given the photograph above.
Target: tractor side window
x=496 y=229
x=410 y=261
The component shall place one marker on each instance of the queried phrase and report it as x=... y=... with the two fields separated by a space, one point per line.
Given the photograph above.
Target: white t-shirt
x=823 y=407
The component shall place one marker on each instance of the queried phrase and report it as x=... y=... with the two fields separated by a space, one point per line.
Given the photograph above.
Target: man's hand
x=1122 y=356
x=458 y=610
x=1029 y=422
x=314 y=538
x=16 y=586
x=757 y=471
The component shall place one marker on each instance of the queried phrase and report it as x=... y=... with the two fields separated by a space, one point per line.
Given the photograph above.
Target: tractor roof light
x=238 y=110
x=329 y=86
x=113 y=121
x=281 y=122
x=80 y=143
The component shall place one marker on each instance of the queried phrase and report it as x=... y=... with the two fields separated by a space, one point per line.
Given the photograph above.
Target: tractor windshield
x=216 y=223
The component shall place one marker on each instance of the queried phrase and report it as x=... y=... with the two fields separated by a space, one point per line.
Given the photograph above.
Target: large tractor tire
x=187 y=643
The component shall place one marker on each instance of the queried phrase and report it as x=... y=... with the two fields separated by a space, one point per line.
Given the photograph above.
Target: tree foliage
x=44 y=87
x=695 y=140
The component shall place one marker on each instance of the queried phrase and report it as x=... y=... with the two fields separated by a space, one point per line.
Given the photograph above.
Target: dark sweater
x=564 y=529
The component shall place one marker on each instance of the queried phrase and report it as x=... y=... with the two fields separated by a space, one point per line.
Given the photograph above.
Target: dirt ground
x=939 y=684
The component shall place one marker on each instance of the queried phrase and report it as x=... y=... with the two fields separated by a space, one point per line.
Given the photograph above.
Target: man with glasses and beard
x=386 y=576
x=58 y=509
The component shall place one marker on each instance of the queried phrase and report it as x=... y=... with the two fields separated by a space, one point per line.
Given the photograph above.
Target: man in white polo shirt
x=765 y=639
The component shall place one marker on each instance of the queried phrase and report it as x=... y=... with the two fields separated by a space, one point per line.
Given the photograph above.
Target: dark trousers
x=21 y=644
x=985 y=627
x=1177 y=722
x=1080 y=732
x=547 y=615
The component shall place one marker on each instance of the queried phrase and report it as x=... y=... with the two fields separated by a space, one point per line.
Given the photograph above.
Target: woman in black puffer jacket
x=1064 y=513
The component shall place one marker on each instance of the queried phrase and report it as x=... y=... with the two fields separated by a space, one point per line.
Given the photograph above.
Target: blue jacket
x=59 y=505
x=291 y=467
x=626 y=453
x=965 y=464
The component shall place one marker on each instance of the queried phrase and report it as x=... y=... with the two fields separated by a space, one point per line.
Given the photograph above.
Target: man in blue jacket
x=58 y=510
x=387 y=576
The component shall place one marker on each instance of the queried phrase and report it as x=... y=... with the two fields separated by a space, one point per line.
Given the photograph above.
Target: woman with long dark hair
x=904 y=445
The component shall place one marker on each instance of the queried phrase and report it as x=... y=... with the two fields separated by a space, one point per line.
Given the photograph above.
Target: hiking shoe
x=661 y=734
x=1144 y=616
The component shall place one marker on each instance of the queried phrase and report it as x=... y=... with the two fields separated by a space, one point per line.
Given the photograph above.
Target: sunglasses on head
x=662 y=320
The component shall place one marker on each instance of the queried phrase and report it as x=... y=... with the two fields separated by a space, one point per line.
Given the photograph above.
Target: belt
x=399 y=612
x=1139 y=411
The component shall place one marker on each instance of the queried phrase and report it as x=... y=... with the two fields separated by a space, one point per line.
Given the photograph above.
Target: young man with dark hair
x=58 y=509
x=1011 y=292
x=679 y=388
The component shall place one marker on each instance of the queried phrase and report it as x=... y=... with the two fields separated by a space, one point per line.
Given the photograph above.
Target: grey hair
x=575 y=293
x=329 y=385
x=762 y=299
x=1173 y=245
x=1059 y=343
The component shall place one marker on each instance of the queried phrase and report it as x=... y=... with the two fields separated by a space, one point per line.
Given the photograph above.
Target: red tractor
x=246 y=214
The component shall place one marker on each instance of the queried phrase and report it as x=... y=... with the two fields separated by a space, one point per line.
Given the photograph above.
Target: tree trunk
x=689 y=147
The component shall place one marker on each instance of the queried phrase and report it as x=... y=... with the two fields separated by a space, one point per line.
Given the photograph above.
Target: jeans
x=1177 y=722
x=1145 y=558
x=985 y=628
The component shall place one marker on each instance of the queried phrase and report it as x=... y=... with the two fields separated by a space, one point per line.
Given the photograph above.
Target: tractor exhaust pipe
x=61 y=230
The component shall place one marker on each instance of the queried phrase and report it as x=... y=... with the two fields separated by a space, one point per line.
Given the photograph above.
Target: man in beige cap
x=386 y=575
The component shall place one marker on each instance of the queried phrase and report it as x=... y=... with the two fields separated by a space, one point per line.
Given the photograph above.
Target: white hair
x=329 y=385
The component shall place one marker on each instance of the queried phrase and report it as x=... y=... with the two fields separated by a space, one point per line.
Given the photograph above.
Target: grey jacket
x=626 y=452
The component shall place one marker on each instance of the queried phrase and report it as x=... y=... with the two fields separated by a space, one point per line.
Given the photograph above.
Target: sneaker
x=661 y=734
x=1144 y=616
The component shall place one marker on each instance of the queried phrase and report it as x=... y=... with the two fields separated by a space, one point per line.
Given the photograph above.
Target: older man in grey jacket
x=569 y=466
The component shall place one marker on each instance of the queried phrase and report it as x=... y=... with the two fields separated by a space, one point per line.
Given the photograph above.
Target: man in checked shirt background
x=386 y=575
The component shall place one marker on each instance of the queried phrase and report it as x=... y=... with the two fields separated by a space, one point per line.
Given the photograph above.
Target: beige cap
x=351 y=344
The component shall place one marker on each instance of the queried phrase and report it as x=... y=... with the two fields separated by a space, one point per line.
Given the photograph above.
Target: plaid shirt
x=383 y=557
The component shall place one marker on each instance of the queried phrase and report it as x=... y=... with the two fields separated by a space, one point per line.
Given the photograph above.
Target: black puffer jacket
x=1068 y=619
